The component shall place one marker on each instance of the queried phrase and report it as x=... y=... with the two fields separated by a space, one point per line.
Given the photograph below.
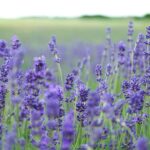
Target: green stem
x=60 y=71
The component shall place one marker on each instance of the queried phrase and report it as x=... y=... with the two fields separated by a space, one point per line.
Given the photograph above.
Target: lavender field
x=74 y=84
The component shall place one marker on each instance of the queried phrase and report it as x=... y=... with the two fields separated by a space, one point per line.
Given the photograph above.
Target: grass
x=35 y=33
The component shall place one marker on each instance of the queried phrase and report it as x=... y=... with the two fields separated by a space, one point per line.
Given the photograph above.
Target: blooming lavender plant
x=104 y=109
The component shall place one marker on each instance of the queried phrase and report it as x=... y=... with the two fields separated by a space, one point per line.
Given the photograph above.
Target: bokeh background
x=76 y=25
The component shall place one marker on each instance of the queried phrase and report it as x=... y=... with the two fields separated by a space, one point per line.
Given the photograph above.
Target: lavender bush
x=102 y=103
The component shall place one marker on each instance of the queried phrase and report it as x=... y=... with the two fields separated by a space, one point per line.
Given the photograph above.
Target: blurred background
x=77 y=24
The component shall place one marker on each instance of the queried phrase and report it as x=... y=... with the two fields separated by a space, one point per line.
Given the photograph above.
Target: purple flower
x=69 y=81
x=54 y=97
x=142 y=144
x=109 y=70
x=81 y=104
x=135 y=84
x=49 y=76
x=22 y=142
x=108 y=110
x=75 y=72
x=2 y=44
x=148 y=32
x=4 y=51
x=139 y=53
x=98 y=70
x=83 y=92
x=40 y=64
x=2 y=96
x=15 y=42
x=35 y=115
x=131 y=87
x=52 y=107
x=80 y=107
x=107 y=98
x=52 y=124
x=52 y=45
x=93 y=108
x=68 y=131
x=11 y=139
x=136 y=102
x=44 y=143
x=102 y=87
x=30 y=76
x=121 y=53
x=130 y=31
x=58 y=60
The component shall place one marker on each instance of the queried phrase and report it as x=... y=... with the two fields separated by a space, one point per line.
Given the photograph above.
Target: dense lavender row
x=39 y=110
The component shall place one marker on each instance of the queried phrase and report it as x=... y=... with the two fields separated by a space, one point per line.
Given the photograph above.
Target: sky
x=73 y=8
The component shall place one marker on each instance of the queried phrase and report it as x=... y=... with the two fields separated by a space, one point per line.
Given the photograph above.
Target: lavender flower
x=15 y=42
x=10 y=140
x=109 y=70
x=130 y=31
x=148 y=32
x=52 y=45
x=83 y=92
x=40 y=66
x=44 y=143
x=81 y=105
x=52 y=103
x=142 y=144
x=136 y=103
x=93 y=108
x=68 y=131
x=98 y=70
x=139 y=54
x=121 y=54
x=2 y=96
x=69 y=82
x=4 y=51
